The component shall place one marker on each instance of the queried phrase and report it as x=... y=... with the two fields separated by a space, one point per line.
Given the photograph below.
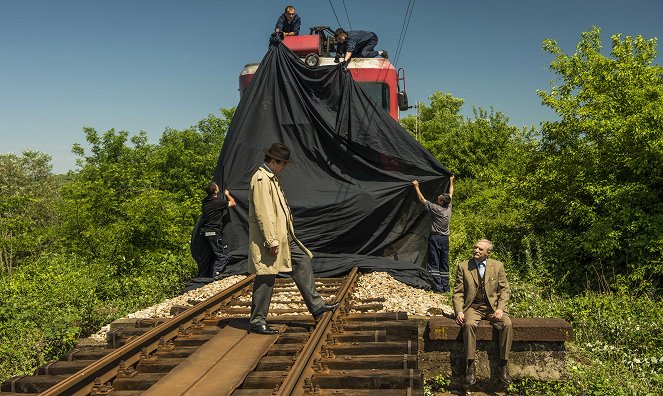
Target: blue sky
x=150 y=64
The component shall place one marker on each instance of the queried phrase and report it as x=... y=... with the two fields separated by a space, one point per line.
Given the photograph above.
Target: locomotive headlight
x=312 y=60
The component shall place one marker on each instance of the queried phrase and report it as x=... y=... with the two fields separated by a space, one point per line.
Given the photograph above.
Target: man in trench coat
x=273 y=246
x=481 y=292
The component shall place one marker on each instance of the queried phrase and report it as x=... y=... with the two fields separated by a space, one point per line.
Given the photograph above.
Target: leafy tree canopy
x=489 y=158
x=600 y=173
x=131 y=199
x=28 y=192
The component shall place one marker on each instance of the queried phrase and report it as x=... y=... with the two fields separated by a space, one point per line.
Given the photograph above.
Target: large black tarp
x=350 y=184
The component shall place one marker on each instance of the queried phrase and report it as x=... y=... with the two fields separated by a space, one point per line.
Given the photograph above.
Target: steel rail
x=302 y=369
x=106 y=368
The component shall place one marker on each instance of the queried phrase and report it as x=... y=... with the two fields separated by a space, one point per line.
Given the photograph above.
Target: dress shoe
x=504 y=375
x=325 y=308
x=262 y=329
x=470 y=374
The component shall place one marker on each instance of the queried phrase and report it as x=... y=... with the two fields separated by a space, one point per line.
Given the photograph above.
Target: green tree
x=28 y=192
x=489 y=158
x=132 y=205
x=121 y=226
x=185 y=160
x=600 y=175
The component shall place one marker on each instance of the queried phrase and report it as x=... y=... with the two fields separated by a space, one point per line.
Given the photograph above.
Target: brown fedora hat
x=279 y=151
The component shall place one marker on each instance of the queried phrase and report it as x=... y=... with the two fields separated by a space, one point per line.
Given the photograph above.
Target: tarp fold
x=350 y=184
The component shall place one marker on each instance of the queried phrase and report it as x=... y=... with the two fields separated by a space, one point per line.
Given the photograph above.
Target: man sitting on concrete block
x=481 y=292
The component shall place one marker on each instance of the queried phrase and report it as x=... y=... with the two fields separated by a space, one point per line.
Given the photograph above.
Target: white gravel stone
x=398 y=296
x=162 y=310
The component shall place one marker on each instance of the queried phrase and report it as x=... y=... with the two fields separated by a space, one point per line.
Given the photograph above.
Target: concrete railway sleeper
x=205 y=349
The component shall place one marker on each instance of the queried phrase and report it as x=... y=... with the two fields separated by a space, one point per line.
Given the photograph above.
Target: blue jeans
x=438 y=261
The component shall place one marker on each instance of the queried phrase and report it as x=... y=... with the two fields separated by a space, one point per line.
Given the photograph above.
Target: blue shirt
x=287 y=27
x=357 y=39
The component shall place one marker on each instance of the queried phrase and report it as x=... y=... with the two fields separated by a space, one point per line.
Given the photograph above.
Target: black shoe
x=262 y=329
x=325 y=308
x=385 y=54
x=504 y=375
x=219 y=276
x=470 y=375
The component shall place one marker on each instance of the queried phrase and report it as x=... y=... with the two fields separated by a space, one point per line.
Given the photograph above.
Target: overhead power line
x=406 y=23
x=334 y=11
x=347 y=15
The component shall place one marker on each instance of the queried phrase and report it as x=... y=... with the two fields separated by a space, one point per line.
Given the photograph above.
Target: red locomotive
x=377 y=76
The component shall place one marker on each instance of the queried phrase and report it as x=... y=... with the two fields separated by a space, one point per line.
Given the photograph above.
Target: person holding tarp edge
x=288 y=23
x=437 y=262
x=273 y=246
x=214 y=207
x=358 y=44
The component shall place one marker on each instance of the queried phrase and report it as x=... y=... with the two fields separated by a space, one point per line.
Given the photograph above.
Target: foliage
x=436 y=384
x=618 y=340
x=120 y=225
x=599 y=179
x=45 y=303
x=132 y=200
x=28 y=192
x=489 y=158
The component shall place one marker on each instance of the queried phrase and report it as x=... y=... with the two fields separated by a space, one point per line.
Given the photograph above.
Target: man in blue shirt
x=358 y=43
x=288 y=23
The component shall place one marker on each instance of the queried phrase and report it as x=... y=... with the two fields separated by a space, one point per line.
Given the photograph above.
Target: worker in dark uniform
x=358 y=44
x=288 y=23
x=214 y=206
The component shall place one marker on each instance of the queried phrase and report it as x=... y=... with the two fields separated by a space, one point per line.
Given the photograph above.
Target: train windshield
x=379 y=92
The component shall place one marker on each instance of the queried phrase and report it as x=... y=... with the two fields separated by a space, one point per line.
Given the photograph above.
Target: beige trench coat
x=467 y=282
x=270 y=223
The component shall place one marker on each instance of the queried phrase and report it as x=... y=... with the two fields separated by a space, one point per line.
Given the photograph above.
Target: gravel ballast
x=398 y=297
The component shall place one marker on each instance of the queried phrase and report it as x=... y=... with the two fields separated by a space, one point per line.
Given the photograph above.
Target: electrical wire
x=334 y=11
x=406 y=24
x=347 y=15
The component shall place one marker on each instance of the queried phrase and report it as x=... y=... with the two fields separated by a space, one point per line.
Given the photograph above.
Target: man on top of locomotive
x=288 y=23
x=357 y=43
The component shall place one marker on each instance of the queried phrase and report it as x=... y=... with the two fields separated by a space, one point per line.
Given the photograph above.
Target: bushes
x=115 y=240
x=46 y=302
x=598 y=177
x=54 y=300
x=28 y=196
x=618 y=346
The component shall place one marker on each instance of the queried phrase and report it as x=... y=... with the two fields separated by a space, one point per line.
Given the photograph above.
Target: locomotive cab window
x=379 y=92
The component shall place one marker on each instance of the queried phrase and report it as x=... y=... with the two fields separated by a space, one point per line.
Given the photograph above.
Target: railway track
x=206 y=350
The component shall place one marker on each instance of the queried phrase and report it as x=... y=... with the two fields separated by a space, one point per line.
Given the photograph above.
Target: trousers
x=302 y=274
x=220 y=257
x=437 y=262
x=473 y=315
